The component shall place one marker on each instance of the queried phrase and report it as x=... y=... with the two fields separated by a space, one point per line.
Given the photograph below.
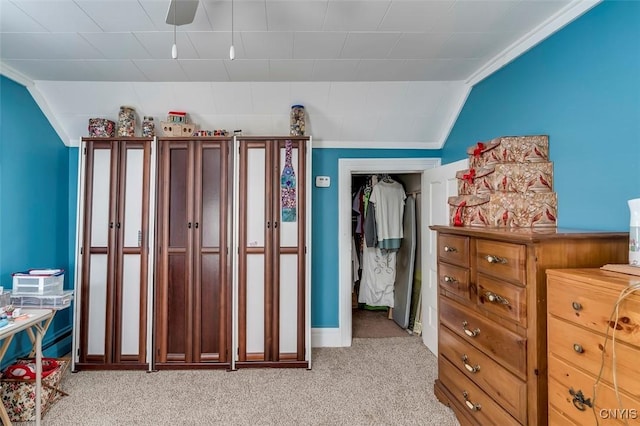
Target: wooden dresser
x=492 y=362
x=581 y=324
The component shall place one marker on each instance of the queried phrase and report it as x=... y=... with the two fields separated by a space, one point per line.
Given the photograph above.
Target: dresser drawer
x=501 y=260
x=503 y=345
x=477 y=403
x=505 y=388
x=454 y=279
x=583 y=347
x=506 y=300
x=592 y=308
x=453 y=249
x=565 y=378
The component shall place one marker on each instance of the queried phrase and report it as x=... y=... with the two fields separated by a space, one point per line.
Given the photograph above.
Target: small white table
x=36 y=324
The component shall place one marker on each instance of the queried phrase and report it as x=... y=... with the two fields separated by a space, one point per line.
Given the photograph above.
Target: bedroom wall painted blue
x=34 y=202
x=582 y=88
x=324 y=256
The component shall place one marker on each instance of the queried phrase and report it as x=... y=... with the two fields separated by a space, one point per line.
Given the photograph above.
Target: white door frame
x=346 y=168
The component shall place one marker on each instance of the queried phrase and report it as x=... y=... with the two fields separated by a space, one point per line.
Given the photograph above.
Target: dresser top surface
x=528 y=234
x=596 y=276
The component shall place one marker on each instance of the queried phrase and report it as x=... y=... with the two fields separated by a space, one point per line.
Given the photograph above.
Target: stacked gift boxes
x=509 y=184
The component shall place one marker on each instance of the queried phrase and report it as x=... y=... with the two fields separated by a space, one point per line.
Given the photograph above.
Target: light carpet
x=386 y=381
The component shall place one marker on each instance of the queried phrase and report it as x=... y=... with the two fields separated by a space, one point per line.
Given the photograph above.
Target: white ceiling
x=275 y=40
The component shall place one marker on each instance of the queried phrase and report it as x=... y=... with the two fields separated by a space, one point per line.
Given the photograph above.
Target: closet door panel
x=178 y=202
x=133 y=201
x=130 y=305
x=177 y=308
x=288 y=304
x=131 y=287
x=98 y=260
x=255 y=304
x=211 y=192
x=255 y=198
x=209 y=242
x=101 y=180
x=210 y=306
x=97 y=301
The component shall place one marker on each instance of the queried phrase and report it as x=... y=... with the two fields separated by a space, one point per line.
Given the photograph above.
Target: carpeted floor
x=374 y=324
x=386 y=381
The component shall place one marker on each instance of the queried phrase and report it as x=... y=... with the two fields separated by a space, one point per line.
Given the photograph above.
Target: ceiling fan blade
x=181 y=12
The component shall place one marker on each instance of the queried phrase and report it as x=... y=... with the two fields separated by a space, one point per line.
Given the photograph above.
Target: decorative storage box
x=101 y=127
x=34 y=282
x=509 y=149
x=18 y=396
x=505 y=209
x=513 y=177
x=57 y=301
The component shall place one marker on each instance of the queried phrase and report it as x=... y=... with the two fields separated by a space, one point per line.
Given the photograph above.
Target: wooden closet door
x=212 y=322
x=192 y=318
x=272 y=255
x=114 y=251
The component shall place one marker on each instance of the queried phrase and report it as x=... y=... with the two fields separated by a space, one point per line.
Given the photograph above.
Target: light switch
x=323 y=181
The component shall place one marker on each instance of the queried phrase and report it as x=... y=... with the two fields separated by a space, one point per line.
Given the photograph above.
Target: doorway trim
x=346 y=168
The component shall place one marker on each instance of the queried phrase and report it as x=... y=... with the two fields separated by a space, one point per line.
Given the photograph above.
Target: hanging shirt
x=388 y=198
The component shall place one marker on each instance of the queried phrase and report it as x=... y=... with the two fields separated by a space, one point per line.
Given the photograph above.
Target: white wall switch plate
x=323 y=181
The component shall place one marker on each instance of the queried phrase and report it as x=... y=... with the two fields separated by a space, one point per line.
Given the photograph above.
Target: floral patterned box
x=469 y=210
x=523 y=210
x=509 y=149
x=18 y=396
x=506 y=177
x=505 y=210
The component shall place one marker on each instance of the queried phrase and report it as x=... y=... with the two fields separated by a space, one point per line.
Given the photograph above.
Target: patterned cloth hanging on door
x=288 y=186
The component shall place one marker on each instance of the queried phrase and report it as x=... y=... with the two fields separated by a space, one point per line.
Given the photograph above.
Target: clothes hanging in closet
x=385 y=208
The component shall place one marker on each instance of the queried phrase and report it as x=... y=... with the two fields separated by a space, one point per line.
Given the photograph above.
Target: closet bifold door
x=114 y=253
x=272 y=320
x=193 y=297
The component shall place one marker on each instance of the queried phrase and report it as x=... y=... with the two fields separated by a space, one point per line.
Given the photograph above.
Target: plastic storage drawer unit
x=38 y=282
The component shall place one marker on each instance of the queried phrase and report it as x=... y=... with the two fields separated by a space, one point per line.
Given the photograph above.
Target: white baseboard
x=326 y=338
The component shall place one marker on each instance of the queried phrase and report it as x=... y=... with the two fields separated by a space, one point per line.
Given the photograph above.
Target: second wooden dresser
x=492 y=361
x=586 y=340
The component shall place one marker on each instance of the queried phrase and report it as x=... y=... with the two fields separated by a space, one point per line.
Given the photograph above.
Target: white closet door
x=255 y=242
x=132 y=257
x=98 y=261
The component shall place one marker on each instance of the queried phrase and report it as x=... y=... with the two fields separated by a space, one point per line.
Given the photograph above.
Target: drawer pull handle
x=579 y=400
x=576 y=306
x=495 y=259
x=496 y=298
x=450 y=249
x=470 y=405
x=448 y=279
x=469 y=367
x=470 y=333
x=578 y=348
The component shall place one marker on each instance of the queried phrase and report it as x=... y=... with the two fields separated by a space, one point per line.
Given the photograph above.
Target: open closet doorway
x=386 y=268
x=350 y=169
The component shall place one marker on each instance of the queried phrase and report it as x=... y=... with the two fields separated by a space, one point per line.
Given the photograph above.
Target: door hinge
x=81 y=250
x=78 y=353
x=84 y=151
